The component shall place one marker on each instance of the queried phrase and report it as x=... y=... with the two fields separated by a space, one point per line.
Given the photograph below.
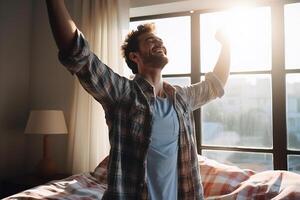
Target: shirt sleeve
x=98 y=79
x=200 y=93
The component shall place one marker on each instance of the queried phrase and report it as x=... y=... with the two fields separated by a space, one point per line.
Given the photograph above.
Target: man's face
x=152 y=51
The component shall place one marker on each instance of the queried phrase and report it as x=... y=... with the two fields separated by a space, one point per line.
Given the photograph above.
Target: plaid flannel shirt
x=129 y=117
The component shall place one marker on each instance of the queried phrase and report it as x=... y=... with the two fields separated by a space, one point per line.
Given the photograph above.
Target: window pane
x=294 y=163
x=249 y=32
x=243 y=116
x=292 y=33
x=181 y=81
x=254 y=161
x=293 y=110
x=176 y=34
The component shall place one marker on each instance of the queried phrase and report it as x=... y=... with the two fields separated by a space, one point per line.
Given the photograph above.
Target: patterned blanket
x=219 y=182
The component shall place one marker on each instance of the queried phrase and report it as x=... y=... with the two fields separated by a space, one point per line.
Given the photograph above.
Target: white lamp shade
x=46 y=122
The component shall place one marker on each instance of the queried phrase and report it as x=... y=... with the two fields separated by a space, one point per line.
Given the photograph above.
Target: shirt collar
x=148 y=89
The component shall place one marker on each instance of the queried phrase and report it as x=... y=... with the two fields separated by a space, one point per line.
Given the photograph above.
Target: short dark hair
x=131 y=43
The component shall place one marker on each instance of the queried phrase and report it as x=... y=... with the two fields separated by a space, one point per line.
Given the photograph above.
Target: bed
x=220 y=181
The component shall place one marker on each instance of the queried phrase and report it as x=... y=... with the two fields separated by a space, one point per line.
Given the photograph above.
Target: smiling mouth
x=159 y=50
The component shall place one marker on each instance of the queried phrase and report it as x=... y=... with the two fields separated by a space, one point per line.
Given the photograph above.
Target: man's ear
x=133 y=57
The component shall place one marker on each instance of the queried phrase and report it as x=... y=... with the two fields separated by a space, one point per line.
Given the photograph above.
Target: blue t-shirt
x=163 y=150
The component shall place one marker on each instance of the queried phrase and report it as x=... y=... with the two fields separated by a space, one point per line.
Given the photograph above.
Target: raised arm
x=221 y=69
x=63 y=27
x=200 y=93
x=98 y=79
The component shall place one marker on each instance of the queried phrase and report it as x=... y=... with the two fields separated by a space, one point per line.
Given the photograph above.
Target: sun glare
x=248 y=29
x=249 y=32
x=291 y=33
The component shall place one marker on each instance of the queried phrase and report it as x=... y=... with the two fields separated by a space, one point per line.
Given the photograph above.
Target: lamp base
x=46 y=168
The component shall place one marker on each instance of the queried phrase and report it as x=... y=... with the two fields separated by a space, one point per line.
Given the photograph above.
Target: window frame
x=277 y=72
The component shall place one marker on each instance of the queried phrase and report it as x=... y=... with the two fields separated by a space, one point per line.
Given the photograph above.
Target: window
x=242 y=117
x=292 y=32
x=294 y=163
x=256 y=124
x=248 y=121
x=292 y=75
x=250 y=35
x=293 y=113
x=263 y=161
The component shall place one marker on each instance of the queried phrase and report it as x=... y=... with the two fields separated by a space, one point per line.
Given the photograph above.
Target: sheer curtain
x=103 y=22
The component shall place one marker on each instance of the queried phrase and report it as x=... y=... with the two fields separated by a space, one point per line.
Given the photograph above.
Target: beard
x=155 y=60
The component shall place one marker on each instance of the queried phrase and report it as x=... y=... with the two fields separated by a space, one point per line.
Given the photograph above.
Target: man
x=153 y=153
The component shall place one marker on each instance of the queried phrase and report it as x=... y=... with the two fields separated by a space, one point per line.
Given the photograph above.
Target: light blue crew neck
x=162 y=178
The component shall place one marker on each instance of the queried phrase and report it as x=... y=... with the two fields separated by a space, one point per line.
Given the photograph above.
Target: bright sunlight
x=292 y=32
x=249 y=30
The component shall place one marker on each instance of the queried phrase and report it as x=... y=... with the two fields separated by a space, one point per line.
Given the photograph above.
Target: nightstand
x=17 y=184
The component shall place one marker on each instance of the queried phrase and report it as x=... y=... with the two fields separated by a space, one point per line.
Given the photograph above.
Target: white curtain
x=103 y=22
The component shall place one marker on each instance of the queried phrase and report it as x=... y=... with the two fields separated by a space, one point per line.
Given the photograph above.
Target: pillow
x=219 y=179
x=100 y=172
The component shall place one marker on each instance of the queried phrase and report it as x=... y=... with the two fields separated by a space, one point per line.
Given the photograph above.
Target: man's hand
x=222 y=37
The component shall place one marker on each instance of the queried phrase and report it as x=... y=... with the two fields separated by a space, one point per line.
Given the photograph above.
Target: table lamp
x=46 y=122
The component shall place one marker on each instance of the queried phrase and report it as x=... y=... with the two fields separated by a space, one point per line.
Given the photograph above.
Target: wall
x=30 y=78
x=50 y=87
x=15 y=23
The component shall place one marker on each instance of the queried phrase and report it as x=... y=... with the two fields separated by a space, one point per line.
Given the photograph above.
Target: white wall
x=15 y=23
